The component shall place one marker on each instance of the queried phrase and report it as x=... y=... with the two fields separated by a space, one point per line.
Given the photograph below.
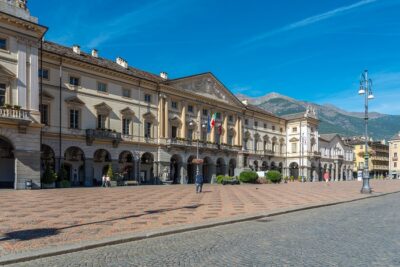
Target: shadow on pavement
x=30 y=234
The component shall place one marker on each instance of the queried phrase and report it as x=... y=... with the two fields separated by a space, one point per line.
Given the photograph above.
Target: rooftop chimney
x=95 y=53
x=164 y=75
x=122 y=62
x=76 y=49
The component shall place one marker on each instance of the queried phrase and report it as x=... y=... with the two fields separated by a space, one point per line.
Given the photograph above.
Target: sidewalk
x=36 y=220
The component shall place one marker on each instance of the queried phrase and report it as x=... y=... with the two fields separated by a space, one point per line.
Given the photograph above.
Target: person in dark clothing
x=199 y=183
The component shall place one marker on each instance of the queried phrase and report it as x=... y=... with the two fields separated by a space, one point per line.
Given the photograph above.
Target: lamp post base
x=366 y=189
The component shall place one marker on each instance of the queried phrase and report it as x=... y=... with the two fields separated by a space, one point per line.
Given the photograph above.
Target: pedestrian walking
x=108 y=181
x=199 y=183
x=326 y=177
x=103 y=181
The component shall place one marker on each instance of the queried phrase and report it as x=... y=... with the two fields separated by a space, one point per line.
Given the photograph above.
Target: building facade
x=378 y=161
x=96 y=112
x=394 y=152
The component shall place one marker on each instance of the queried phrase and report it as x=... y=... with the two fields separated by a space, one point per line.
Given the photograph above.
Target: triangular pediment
x=6 y=73
x=206 y=85
x=103 y=107
x=127 y=112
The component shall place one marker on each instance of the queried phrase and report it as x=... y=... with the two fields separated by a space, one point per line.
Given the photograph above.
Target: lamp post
x=366 y=90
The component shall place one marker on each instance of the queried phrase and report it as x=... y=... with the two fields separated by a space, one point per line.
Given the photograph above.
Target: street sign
x=197 y=161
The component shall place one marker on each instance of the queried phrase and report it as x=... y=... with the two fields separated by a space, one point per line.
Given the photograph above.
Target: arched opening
x=220 y=167
x=7 y=161
x=146 y=168
x=74 y=159
x=47 y=158
x=232 y=167
x=280 y=167
x=255 y=165
x=175 y=169
x=126 y=166
x=101 y=163
x=191 y=170
x=294 y=170
x=273 y=166
x=207 y=170
x=264 y=166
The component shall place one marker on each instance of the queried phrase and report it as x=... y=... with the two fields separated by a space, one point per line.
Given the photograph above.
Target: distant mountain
x=333 y=119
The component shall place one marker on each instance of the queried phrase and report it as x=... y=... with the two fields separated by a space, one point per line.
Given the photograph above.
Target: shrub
x=49 y=176
x=292 y=178
x=65 y=184
x=110 y=173
x=220 y=178
x=274 y=176
x=248 y=177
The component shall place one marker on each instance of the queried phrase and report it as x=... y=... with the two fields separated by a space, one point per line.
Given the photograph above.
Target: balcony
x=15 y=114
x=93 y=134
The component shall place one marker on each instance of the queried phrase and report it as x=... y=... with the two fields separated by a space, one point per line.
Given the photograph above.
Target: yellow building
x=378 y=163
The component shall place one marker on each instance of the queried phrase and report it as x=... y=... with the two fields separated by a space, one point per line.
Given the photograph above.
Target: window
x=190 y=108
x=147 y=98
x=101 y=87
x=3 y=43
x=101 y=121
x=218 y=115
x=265 y=145
x=395 y=154
x=294 y=129
x=147 y=130
x=230 y=140
x=395 y=164
x=281 y=130
x=44 y=118
x=256 y=124
x=126 y=126
x=174 y=132
x=74 y=119
x=205 y=112
x=273 y=127
x=74 y=81
x=44 y=73
x=2 y=94
x=265 y=126
x=294 y=147
x=230 y=118
x=126 y=92
x=246 y=122
x=174 y=105
x=190 y=134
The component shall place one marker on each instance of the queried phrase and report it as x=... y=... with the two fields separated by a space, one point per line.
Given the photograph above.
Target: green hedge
x=221 y=178
x=65 y=184
x=248 y=177
x=274 y=176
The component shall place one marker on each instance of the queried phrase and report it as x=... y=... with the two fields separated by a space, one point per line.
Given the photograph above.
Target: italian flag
x=213 y=118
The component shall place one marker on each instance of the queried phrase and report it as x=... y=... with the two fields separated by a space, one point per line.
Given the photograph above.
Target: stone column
x=161 y=116
x=225 y=138
x=166 y=121
x=183 y=119
x=341 y=173
x=88 y=172
x=22 y=101
x=212 y=133
x=240 y=132
x=336 y=171
x=237 y=131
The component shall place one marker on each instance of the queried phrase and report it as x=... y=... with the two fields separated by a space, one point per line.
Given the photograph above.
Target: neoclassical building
x=64 y=107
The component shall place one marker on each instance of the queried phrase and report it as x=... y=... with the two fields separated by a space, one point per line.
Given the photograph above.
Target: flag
x=220 y=129
x=213 y=120
x=208 y=124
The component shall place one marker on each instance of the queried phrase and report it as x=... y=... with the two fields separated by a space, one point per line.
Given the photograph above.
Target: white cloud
x=306 y=22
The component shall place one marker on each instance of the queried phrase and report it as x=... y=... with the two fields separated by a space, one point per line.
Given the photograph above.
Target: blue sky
x=311 y=50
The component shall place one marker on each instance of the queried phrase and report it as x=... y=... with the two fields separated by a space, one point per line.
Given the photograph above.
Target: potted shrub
x=48 y=178
x=65 y=184
x=292 y=178
x=113 y=181
x=248 y=177
x=274 y=176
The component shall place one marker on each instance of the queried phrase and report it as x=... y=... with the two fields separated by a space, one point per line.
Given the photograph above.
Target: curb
x=50 y=252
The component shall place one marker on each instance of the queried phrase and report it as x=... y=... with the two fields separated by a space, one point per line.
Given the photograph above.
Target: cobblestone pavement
x=363 y=233
x=32 y=220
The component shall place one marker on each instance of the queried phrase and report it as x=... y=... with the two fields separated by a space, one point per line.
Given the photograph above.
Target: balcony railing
x=16 y=114
x=93 y=134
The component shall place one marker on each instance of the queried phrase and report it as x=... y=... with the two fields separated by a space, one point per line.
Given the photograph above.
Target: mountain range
x=332 y=119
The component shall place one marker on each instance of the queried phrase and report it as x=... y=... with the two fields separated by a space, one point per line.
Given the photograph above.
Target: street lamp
x=366 y=90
